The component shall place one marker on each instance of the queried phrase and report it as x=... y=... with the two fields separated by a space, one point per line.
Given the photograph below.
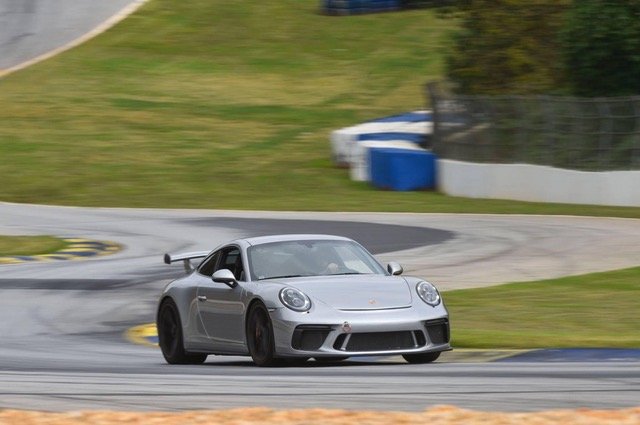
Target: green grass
x=211 y=103
x=30 y=245
x=594 y=310
x=218 y=104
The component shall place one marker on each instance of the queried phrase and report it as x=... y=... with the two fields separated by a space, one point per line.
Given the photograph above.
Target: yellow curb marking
x=9 y=260
x=142 y=334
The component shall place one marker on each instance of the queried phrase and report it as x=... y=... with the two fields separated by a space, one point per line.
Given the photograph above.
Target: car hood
x=356 y=292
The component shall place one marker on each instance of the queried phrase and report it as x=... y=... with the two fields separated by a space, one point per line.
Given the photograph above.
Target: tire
x=422 y=357
x=260 y=340
x=295 y=361
x=170 y=336
x=331 y=359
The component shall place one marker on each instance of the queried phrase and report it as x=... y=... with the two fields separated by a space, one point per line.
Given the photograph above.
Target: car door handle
x=202 y=298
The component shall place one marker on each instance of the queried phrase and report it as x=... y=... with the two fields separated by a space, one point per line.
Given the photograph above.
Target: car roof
x=292 y=237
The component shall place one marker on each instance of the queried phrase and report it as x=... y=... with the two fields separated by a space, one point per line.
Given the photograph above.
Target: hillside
x=223 y=104
x=209 y=103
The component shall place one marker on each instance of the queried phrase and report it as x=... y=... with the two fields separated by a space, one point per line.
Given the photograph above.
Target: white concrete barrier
x=537 y=183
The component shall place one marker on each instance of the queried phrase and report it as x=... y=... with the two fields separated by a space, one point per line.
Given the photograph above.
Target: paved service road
x=62 y=322
x=31 y=28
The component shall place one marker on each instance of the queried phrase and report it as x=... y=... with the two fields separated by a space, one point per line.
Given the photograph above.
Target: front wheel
x=295 y=361
x=422 y=357
x=260 y=340
x=170 y=336
x=331 y=359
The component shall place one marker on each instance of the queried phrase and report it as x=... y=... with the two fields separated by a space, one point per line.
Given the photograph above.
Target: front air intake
x=309 y=337
x=438 y=330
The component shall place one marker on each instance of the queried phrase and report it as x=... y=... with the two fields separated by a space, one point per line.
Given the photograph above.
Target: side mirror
x=394 y=268
x=225 y=276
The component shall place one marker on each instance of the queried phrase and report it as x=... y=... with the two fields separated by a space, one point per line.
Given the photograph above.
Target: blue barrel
x=402 y=169
x=350 y=7
x=337 y=7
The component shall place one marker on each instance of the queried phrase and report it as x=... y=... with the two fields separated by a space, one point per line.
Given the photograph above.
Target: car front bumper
x=361 y=333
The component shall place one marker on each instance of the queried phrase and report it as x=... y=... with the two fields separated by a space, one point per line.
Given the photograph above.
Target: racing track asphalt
x=62 y=323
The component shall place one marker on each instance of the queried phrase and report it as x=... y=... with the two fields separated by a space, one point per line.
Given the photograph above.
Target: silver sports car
x=288 y=298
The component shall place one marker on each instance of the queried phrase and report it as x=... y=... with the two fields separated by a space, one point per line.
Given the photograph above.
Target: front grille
x=309 y=337
x=438 y=330
x=379 y=341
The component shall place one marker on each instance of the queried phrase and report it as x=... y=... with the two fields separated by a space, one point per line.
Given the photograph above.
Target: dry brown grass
x=439 y=415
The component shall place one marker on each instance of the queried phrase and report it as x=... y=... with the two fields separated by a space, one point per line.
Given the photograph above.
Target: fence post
x=635 y=156
x=432 y=95
x=604 y=134
x=550 y=120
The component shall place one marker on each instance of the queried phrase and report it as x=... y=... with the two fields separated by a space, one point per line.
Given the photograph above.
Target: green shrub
x=508 y=46
x=601 y=47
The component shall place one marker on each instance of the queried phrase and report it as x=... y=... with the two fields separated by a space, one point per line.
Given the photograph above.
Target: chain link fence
x=591 y=134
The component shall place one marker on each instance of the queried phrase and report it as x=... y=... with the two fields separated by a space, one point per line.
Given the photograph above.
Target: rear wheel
x=422 y=357
x=170 y=336
x=260 y=338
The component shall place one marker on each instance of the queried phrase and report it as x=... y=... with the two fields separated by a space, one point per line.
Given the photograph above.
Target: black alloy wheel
x=260 y=336
x=170 y=336
x=422 y=357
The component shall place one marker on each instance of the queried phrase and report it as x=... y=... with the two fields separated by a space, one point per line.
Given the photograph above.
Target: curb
x=146 y=334
x=78 y=249
x=577 y=355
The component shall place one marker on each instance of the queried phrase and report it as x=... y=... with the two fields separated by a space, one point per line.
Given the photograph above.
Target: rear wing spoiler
x=186 y=258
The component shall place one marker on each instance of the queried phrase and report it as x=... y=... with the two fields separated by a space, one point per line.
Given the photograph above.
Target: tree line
x=585 y=48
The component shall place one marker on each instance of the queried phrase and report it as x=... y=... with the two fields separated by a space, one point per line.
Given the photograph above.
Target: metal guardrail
x=593 y=134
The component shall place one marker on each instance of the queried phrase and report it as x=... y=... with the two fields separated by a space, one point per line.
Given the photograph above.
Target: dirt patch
x=439 y=415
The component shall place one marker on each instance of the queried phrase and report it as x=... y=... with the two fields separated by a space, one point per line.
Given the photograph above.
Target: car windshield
x=310 y=258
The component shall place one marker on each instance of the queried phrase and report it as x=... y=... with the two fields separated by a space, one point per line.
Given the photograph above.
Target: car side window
x=232 y=259
x=207 y=267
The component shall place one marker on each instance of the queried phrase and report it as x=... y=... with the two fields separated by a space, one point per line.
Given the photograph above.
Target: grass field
x=594 y=310
x=29 y=245
x=218 y=104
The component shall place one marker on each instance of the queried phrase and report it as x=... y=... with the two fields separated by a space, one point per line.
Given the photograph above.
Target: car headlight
x=428 y=293
x=294 y=299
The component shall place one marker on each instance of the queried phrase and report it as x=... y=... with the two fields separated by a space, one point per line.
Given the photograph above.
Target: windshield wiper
x=281 y=277
x=343 y=274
